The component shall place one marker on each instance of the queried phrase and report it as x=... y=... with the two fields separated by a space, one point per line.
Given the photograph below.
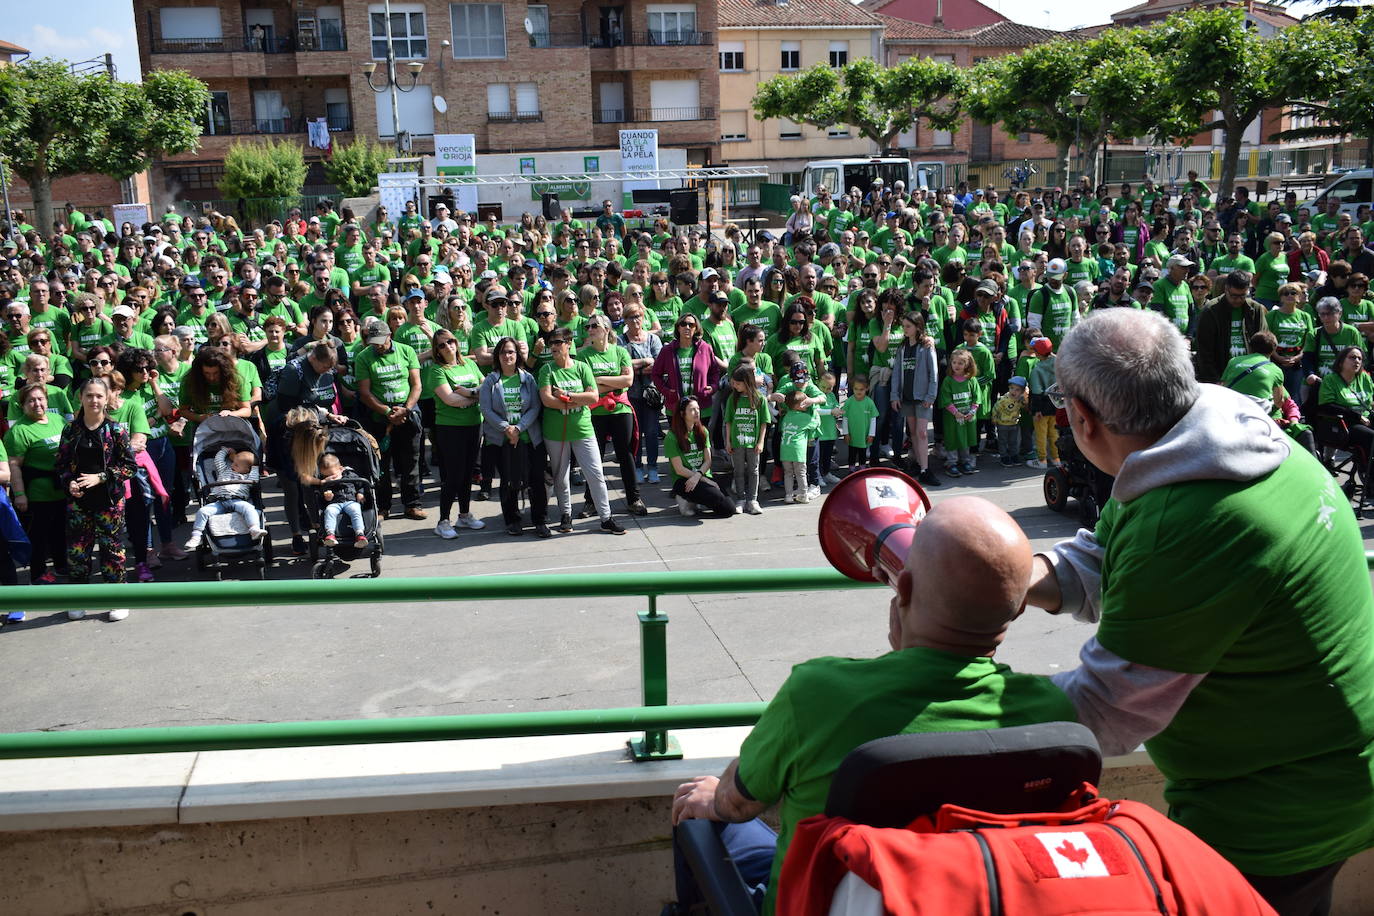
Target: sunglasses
x=100 y=362
x=543 y=314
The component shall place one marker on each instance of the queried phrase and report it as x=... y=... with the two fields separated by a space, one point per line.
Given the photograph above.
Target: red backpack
x=1093 y=857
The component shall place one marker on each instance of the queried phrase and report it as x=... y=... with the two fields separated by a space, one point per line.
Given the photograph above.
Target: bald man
x=963 y=583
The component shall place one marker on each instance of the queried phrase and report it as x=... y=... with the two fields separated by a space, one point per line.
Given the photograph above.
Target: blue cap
x=414 y=294
x=190 y=282
x=891 y=214
x=1017 y=380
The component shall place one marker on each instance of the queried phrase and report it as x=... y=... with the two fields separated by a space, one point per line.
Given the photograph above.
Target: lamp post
x=414 y=66
x=1079 y=101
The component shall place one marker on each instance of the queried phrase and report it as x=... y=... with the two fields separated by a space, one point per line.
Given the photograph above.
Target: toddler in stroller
x=340 y=496
x=236 y=473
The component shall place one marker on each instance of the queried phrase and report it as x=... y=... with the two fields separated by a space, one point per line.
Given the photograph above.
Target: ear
x=904 y=587
x=1088 y=423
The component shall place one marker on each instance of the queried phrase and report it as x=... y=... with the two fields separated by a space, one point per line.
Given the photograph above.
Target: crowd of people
x=522 y=363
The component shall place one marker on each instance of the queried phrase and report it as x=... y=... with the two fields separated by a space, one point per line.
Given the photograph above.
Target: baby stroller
x=226 y=542
x=357 y=450
x=1078 y=478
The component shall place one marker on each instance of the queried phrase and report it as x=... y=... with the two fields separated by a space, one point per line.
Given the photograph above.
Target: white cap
x=1056 y=268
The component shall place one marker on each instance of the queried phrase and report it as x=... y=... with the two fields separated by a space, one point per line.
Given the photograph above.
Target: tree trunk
x=1065 y=164
x=1230 y=157
x=41 y=189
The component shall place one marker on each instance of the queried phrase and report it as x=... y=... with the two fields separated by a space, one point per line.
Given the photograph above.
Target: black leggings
x=1361 y=445
x=522 y=466
x=706 y=495
x=457 y=448
x=46 y=524
x=620 y=428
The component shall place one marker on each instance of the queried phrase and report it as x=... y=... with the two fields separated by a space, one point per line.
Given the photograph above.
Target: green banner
x=570 y=190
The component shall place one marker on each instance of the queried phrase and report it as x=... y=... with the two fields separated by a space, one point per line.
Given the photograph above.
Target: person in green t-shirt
x=31 y=445
x=861 y=423
x=452 y=381
x=1235 y=622
x=688 y=450
x=746 y=419
x=388 y=377
x=612 y=416
x=963 y=573
x=568 y=389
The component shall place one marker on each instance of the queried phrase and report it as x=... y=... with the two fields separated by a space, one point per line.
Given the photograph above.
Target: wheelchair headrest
x=890 y=782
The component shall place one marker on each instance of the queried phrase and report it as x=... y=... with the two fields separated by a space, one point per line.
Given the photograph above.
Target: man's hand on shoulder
x=696 y=798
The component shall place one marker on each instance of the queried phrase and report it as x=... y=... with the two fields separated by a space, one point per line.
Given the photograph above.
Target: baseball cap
x=1042 y=346
x=719 y=297
x=1056 y=268
x=989 y=287
x=441 y=274
x=531 y=262
x=414 y=294
x=123 y=311
x=375 y=331
x=1179 y=260
x=977 y=192
x=190 y=282
x=708 y=273
x=1017 y=380
x=891 y=214
x=489 y=275
x=496 y=293
x=1283 y=218
x=1145 y=284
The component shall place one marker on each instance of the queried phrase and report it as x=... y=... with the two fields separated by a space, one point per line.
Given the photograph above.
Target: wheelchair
x=1332 y=434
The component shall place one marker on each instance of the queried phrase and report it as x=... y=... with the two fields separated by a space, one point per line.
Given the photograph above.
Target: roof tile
x=737 y=14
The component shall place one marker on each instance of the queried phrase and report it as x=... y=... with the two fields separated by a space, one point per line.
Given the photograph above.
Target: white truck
x=839 y=175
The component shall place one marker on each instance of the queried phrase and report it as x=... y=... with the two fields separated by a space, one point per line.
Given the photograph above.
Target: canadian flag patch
x=1071 y=854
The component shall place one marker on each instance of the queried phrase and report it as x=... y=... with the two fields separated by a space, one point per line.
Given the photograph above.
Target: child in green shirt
x=829 y=428
x=958 y=403
x=746 y=422
x=796 y=428
x=861 y=422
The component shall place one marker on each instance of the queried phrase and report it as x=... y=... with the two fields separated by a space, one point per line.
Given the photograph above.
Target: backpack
x=1128 y=858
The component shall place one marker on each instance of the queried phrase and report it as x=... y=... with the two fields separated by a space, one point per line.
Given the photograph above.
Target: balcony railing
x=271 y=126
x=651 y=115
x=514 y=117
x=246 y=43
x=618 y=39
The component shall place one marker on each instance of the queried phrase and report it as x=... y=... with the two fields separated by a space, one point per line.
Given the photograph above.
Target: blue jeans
x=347 y=507
x=751 y=845
x=165 y=460
x=648 y=434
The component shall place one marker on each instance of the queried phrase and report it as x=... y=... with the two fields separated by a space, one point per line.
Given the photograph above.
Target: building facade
x=520 y=77
x=759 y=40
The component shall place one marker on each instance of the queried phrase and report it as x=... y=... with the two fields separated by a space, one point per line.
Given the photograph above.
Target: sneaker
x=830 y=480
x=468 y=520
x=804 y=497
x=330 y=541
x=445 y=529
x=481 y=495
x=14 y=617
x=639 y=475
x=952 y=470
x=118 y=613
x=587 y=511
x=542 y=530
x=885 y=451
x=46 y=579
x=739 y=507
x=577 y=479
x=813 y=492
x=196 y=537
x=416 y=513
x=152 y=560
x=928 y=478
x=637 y=507
x=145 y=574
x=514 y=529
x=685 y=507
x=970 y=467
x=360 y=542
x=1037 y=464
x=298 y=545
x=612 y=526
x=75 y=615
x=172 y=552
x=753 y=507
x=652 y=475
x=255 y=533
x=565 y=523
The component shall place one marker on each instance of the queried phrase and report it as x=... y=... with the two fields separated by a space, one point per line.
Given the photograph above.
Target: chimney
x=939 y=13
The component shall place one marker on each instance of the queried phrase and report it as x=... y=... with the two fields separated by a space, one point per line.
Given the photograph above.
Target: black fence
x=264 y=44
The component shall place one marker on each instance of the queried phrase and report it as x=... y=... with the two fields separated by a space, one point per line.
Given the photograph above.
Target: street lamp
x=1079 y=101
x=414 y=66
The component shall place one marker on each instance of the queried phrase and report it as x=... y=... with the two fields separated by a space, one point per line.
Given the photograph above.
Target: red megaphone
x=867 y=522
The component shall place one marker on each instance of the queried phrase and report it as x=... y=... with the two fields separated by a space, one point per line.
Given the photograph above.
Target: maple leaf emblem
x=1072 y=853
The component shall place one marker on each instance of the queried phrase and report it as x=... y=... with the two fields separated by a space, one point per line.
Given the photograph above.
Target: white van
x=839 y=175
x=1354 y=189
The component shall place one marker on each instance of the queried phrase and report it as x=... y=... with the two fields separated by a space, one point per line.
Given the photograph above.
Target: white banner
x=455 y=155
x=394 y=197
x=638 y=150
x=129 y=213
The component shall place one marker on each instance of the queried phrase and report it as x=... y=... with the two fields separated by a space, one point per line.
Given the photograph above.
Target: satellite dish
x=529 y=26
x=440 y=105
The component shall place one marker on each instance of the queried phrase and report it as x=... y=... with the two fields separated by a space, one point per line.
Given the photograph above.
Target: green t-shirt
x=1357 y=394
x=388 y=374
x=829 y=706
x=614 y=360
x=694 y=458
x=1327 y=346
x=1294 y=331
x=1262 y=587
x=514 y=401
x=466 y=374
x=1172 y=300
x=485 y=334
x=1254 y=376
x=745 y=424
x=1053 y=311
x=59 y=406
x=1227 y=264
x=130 y=415
x=859 y=415
x=36 y=443
x=767 y=316
x=567 y=424
x=1271 y=272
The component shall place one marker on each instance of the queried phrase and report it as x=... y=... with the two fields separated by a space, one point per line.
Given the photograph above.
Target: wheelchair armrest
x=714 y=870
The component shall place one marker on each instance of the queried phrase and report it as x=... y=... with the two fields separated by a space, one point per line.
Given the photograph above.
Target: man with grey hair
x=1235 y=620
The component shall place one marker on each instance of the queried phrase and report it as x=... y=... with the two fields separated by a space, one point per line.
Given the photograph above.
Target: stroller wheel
x=320 y=570
x=1056 y=489
x=1087 y=505
x=376 y=563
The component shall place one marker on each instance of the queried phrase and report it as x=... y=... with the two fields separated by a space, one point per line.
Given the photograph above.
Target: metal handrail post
x=656 y=744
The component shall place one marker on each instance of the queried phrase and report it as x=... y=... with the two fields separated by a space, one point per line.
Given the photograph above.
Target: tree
x=878 y=102
x=261 y=173
x=54 y=123
x=353 y=168
x=1350 y=109
x=1221 y=74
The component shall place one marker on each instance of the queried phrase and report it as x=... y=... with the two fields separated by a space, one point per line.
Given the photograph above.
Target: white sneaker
x=468 y=520
x=1037 y=464
x=885 y=451
x=813 y=492
x=739 y=507
x=830 y=480
x=256 y=532
x=118 y=613
x=685 y=507
x=194 y=540
x=804 y=497
x=75 y=615
x=445 y=529
x=753 y=508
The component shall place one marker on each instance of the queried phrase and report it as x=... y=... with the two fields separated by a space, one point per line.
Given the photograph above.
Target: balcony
x=270 y=126
x=246 y=44
x=657 y=39
x=651 y=115
x=514 y=117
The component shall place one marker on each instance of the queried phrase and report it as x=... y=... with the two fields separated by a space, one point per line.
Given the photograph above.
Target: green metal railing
x=655 y=717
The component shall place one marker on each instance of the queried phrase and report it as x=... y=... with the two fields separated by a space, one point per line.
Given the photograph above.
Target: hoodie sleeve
x=1077 y=565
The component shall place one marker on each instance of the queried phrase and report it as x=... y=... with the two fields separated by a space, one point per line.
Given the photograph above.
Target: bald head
x=965 y=578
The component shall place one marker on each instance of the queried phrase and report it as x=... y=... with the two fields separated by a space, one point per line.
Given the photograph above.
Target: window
x=839 y=53
x=734 y=126
x=479 y=30
x=674 y=24
x=331 y=29
x=217 y=114
x=674 y=100
x=1023 y=137
x=537 y=15
x=837 y=132
x=788 y=129
x=336 y=109
x=527 y=102
x=791 y=55
x=498 y=102
x=407 y=31
x=195 y=178
x=416 y=112
x=731 y=56
x=190 y=28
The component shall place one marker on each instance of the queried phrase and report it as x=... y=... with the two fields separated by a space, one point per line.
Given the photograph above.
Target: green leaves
x=275 y=168
x=878 y=102
x=353 y=168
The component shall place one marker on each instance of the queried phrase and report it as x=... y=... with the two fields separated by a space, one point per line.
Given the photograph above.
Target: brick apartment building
x=519 y=76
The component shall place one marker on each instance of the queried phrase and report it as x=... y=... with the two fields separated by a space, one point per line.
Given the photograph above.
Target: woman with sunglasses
x=686 y=366
x=662 y=304
x=795 y=333
x=567 y=390
x=452 y=381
